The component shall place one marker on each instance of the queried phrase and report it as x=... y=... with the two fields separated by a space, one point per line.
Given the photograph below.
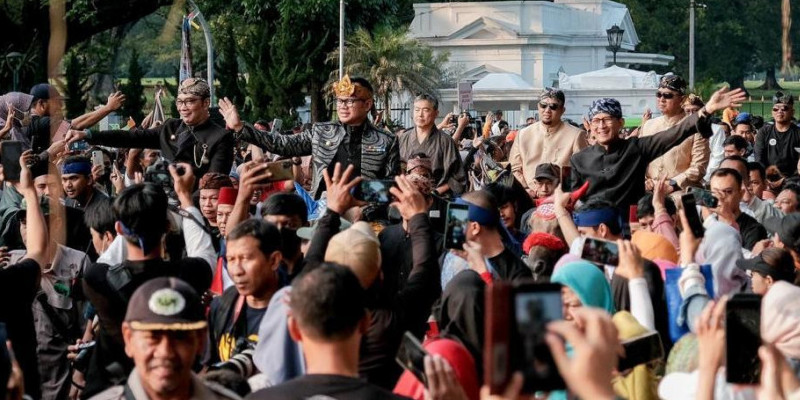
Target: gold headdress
x=345 y=88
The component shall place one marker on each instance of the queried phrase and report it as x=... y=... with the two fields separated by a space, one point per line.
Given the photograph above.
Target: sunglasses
x=665 y=95
x=551 y=106
x=781 y=109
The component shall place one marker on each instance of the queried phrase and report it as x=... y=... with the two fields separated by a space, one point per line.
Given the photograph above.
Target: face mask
x=290 y=243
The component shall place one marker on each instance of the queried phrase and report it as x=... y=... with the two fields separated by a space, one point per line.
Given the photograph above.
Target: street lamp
x=14 y=60
x=614 y=40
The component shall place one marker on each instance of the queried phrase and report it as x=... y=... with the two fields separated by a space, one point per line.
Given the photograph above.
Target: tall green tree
x=393 y=62
x=76 y=82
x=133 y=90
x=227 y=70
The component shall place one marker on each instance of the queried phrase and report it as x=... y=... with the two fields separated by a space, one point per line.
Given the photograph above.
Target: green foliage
x=133 y=90
x=75 y=88
x=393 y=62
x=227 y=70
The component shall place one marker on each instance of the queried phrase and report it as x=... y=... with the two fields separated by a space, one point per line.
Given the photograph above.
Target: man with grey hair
x=549 y=140
x=193 y=138
x=426 y=138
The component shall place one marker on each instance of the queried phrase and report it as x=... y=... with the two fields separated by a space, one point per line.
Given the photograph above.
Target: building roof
x=502 y=81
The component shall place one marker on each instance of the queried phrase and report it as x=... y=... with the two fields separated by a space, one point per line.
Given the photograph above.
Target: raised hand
x=115 y=101
x=724 y=98
x=230 y=113
x=631 y=264
x=338 y=188
x=410 y=201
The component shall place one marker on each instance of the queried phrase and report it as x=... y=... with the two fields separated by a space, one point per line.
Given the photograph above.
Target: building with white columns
x=520 y=47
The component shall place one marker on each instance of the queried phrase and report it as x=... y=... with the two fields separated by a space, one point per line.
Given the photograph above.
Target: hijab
x=588 y=283
x=654 y=246
x=780 y=318
x=461 y=315
x=721 y=248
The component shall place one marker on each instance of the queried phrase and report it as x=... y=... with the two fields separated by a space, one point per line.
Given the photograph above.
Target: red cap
x=227 y=195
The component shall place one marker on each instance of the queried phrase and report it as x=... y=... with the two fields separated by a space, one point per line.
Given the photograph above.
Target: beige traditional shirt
x=685 y=163
x=539 y=144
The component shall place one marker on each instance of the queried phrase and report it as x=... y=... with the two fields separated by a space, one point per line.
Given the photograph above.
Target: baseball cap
x=165 y=304
x=42 y=91
x=357 y=248
x=547 y=171
x=307 y=232
x=783 y=271
x=743 y=118
x=787 y=228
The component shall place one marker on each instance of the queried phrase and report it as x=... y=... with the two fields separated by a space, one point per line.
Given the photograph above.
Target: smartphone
x=743 y=338
x=600 y=252
x=411 y=356
x=690 y=209
x=566 y=178
x=455 y=226
x=281 y=171
x=704 y=198
x=80 y=145
x=374 y=191
x=62 y=130
x=641 y=350
x=277 y=124
x=97 y=158
x=10 y=152
x=516 y=321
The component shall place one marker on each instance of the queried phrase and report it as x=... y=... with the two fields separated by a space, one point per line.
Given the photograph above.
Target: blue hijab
x=588 y=283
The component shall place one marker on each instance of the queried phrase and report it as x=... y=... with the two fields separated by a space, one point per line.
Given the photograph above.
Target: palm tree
x=786 y=39
x=393 y=62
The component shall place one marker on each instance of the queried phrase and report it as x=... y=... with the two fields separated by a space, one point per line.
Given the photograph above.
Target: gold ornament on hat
x=344 y=88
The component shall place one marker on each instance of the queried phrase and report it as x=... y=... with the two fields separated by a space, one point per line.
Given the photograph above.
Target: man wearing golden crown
x=352 y=140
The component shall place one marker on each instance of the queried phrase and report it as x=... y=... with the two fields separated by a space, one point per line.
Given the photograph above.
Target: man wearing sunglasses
x=193 y=138
x=550 y=140
x=775 y=143
x=353 y=139
x=684 y=165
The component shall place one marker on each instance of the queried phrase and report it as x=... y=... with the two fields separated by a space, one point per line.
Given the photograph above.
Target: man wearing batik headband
x=193 y=138
x=685 y=164
x=549 y=140
x=76 y=178
x=352 y=140
x=775 y=143
x=615 y=167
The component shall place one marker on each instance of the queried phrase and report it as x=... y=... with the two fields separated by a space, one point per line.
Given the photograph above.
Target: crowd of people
x=207 y=257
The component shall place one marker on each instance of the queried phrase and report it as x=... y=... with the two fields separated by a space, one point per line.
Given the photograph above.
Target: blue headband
x=593 y=218
x=77 y=167
x=479 y=214
x=144 y=245
x=606 y=105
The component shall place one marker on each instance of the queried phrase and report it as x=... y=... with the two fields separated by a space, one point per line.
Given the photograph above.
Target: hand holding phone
x=743 y=338
x=641 y=350
x=373 y=191
x=456 y=225
x=10 y=153
x=600 y=252
x=692 y=217
x=411 y=356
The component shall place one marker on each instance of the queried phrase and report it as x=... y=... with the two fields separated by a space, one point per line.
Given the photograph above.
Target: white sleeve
x=198 y=242
x=576 y=247
x=641 y=305
x=116 y=253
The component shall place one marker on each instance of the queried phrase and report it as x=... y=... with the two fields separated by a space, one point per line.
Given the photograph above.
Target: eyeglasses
x=552 y=106
x=665 y=95
x=347 y=102
x=780 y=109
x=186 y=102
x=723 y=193
x=602 y=121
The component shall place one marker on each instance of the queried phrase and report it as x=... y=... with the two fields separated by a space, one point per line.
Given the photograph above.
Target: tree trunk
x=770 y=82
x=786 y=38
x=318 y=110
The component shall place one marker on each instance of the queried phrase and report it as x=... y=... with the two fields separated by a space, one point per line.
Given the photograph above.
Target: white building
x=524 y=45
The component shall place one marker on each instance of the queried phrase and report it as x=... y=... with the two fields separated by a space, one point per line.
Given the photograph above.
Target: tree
x=230 y=82
x=133 y=90
x=75 y=88
x=786 y=39
x=393 y=62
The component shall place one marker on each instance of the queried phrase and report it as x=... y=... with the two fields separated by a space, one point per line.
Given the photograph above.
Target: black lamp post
x=614 y=40
x=14 y=60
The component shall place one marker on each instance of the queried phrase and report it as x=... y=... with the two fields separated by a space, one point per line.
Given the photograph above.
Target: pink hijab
x=780 y=318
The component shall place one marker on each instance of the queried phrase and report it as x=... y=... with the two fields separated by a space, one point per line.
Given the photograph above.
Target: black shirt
x=617 y=175
x=333 y=386
x=226 y=336
x=18 y=286
x=750 y=230
x=510 y=267
x=777 y=148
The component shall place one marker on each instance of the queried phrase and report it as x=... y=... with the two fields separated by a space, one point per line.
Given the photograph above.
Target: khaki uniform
x=685 y=163
x=539 y=144
x=201 y=390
